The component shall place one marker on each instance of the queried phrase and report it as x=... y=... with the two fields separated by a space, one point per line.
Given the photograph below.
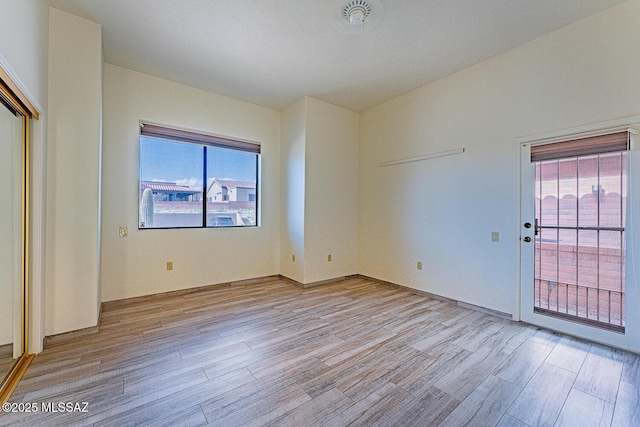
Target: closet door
x=11 y=171
x=15 y=114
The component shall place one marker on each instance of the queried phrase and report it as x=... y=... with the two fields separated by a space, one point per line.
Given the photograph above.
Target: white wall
x=331 y=192
x=136 y=265
x=442 y=211
x=73 y=173
x=23 y=43
x=292 y=182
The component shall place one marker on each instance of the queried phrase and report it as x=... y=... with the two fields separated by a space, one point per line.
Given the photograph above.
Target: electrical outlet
x=329 y=258
x=293 y=258
x=169 y=265
x=419 y=265
x=495 y=236
x=123 y=231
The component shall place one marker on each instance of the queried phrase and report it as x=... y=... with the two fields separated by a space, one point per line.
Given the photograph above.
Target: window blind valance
x=601 y=144
x=157 y=131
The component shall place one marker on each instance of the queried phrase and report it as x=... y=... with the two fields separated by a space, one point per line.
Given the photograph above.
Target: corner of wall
x=73 y=165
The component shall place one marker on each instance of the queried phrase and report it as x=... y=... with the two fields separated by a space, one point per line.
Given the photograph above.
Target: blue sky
x=162 y=160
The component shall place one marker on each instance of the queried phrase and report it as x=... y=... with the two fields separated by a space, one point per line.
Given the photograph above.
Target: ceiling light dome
x=356 y=12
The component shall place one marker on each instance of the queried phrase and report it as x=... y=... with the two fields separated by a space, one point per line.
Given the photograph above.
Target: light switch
x=123 y=231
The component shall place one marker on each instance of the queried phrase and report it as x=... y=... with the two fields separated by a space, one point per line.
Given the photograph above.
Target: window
x=190 y=179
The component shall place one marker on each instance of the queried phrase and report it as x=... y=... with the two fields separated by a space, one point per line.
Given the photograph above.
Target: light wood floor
x=350 y=353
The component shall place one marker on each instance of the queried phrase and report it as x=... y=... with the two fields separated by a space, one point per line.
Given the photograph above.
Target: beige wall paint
x=442 y=211
x=73 y=173
x=136 y=265
x=23 y=43
x=331 y=191
x=319 y=191
x=292 y=182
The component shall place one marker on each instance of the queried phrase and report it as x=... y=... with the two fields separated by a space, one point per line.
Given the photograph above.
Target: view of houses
x=229 y=203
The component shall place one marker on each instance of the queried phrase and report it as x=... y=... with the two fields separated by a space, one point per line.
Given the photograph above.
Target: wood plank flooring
x=355 y=352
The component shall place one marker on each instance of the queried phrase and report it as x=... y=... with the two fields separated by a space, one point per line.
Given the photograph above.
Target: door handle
x=527 y=239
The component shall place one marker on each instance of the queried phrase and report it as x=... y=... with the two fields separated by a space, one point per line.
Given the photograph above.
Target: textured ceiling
x=273 y=52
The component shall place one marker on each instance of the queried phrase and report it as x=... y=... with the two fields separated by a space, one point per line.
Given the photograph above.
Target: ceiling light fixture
x=357 y=16
x=356 y=12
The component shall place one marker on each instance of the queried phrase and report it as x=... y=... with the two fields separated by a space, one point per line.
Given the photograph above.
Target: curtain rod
x=424 y=157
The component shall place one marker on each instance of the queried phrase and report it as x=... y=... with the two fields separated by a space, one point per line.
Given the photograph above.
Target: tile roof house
x=170 y=191
x=225 y=190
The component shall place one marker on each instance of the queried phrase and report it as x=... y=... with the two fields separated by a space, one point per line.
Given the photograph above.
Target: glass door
x=574 y=197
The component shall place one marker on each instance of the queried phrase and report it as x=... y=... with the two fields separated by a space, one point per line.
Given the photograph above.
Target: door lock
x=527 y=239
x=527 y=225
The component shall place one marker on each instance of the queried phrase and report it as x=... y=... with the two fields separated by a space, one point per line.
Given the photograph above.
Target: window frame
x=153 y=131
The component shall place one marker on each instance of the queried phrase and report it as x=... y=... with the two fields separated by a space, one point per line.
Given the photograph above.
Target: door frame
x=523 y=309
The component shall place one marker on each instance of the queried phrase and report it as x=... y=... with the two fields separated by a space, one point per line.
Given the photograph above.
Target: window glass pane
x=171 y=184
x=568 y=257
x=232 y=184
x=549 y=193
x=588 y=192
x=588 y=258
x=611 y=262
x=612 y=194
x=568 y=197
x=549 y=255
x=580 y=257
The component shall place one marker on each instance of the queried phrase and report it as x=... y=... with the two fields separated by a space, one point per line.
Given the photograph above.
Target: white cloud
x=195 y=183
